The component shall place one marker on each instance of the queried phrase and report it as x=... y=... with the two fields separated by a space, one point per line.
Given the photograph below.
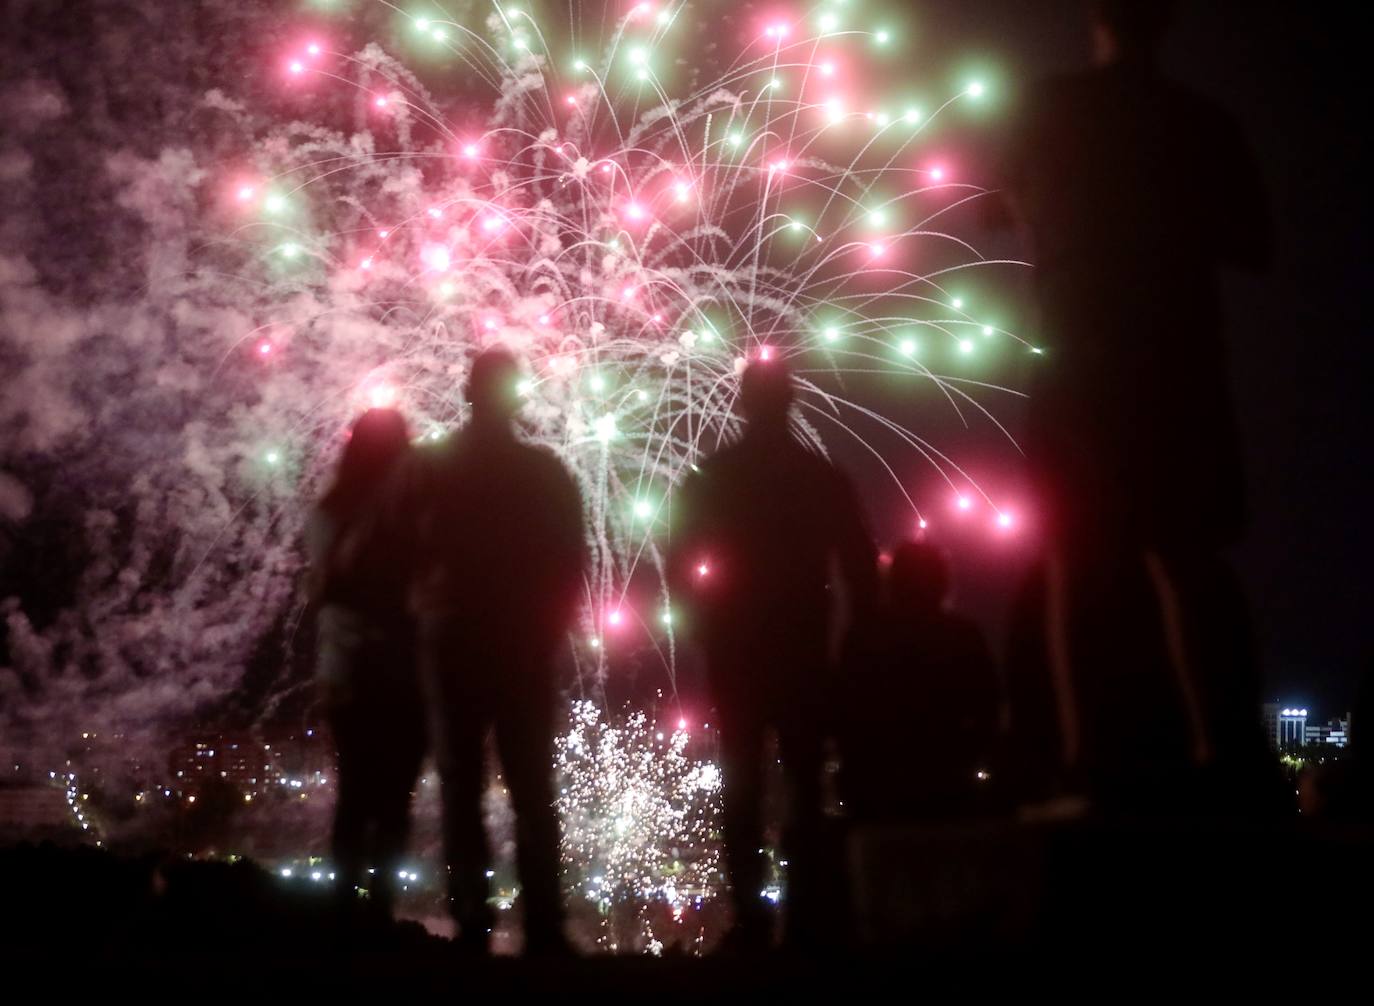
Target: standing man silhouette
x=1134 y=192
x=762 y=522
x=499 y=556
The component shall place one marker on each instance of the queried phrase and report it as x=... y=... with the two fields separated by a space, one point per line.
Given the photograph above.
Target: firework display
x=637 y=199
x=634 y=246
x=640 y=814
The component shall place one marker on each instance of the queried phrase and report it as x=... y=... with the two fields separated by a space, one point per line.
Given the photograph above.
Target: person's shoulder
x=731 y=449
x=545 y=462
x=539 y=454
x=424 y=456
x=429 y=450
x=418 y=464
x=788 y=454
x=749 y=457
x=721 y=462
x=823 y=469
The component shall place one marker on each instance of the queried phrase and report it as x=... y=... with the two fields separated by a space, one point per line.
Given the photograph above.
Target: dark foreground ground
x=970 y=908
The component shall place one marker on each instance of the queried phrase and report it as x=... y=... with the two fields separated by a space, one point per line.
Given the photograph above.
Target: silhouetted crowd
x=448 y=576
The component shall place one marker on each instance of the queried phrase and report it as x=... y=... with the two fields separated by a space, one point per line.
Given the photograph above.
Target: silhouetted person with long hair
x=368 y=668
x=1134 y=192
x=760 y=524
x=921 y=709
x=499 y=551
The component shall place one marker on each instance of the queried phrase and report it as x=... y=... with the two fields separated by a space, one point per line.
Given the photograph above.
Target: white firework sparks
x=640 y=812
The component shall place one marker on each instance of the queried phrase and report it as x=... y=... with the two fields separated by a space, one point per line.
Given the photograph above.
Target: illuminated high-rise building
x=1285 y=725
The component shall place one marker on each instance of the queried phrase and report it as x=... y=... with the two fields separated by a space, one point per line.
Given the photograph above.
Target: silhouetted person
x=368 y=669
x=922 y=707
x=1134 y=191
x=761 y=523
x=499 y=549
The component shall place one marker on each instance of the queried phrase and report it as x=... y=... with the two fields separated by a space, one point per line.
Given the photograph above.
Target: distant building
x=251 y=764
x=33 y=813
x=1285 y=726
x=1269 y=716
x=1292 y=727
x=1335 y=732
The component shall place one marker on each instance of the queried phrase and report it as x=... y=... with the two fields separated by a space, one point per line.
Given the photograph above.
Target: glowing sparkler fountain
x=640 y=815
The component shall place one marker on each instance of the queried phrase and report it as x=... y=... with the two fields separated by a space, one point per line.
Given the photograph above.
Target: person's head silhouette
x=378 y=440
x=493 y=388
x=1128 y=31
x=765 y=394
x=918 y=581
